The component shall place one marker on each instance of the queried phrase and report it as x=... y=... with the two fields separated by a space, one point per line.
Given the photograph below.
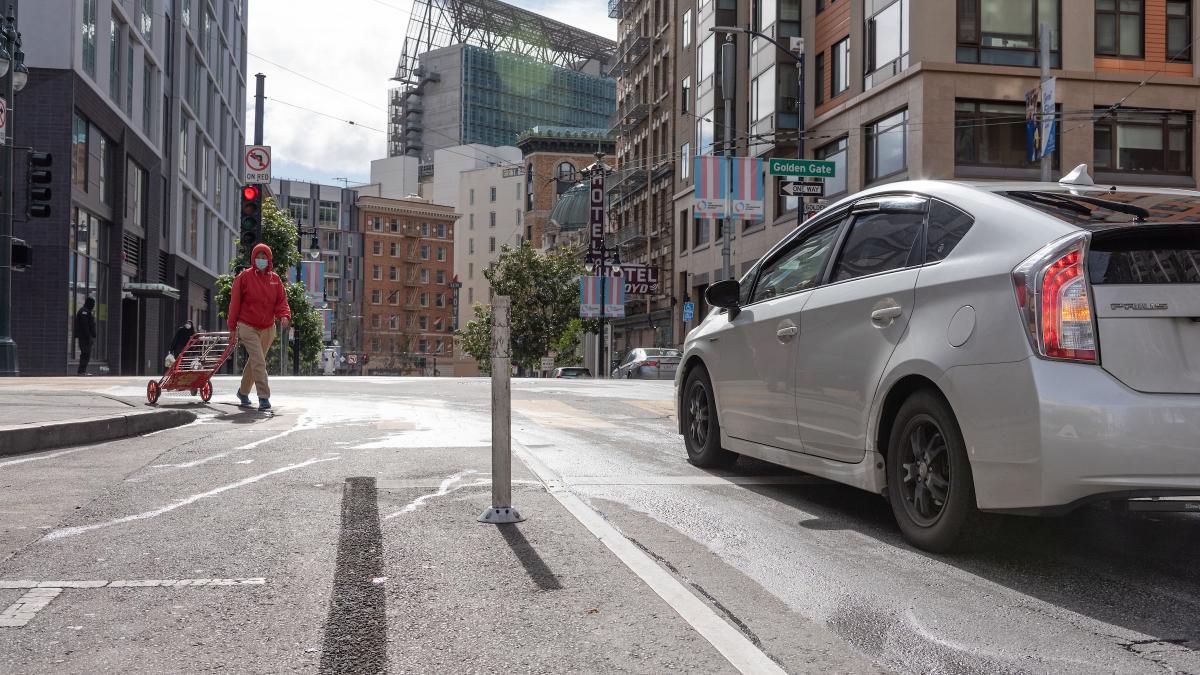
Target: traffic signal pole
x=8 y=346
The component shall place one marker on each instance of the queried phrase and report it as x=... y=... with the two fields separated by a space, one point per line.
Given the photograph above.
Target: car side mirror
x=724 y=294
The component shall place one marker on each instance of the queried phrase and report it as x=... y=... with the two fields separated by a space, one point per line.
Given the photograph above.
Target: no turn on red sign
x=257 y=163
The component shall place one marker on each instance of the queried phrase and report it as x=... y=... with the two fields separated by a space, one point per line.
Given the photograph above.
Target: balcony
x=412 y=281
x=631 y=235
x=636 y=48
x=627 y=182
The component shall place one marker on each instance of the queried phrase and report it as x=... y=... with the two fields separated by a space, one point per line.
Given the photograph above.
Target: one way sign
x=795 y=188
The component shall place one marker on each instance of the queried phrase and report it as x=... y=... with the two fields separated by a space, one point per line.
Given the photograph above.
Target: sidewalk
x=33 y=420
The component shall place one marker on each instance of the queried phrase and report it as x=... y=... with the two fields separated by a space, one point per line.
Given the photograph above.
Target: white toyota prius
x=1011 y=347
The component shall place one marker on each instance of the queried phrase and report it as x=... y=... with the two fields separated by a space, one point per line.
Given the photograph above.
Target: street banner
x=747 y=188
x=614 y=298
x=1048 y=121
x=596 y=211
x=312 y=275
x=710 y=186
x=589 y=297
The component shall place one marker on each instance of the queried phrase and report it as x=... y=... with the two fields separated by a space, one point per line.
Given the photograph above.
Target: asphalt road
x=338 y=535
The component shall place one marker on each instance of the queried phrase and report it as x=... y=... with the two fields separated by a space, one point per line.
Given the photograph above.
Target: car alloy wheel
x=925 y=461
x=698 y=415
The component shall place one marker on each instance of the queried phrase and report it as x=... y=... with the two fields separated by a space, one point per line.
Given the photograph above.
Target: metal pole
x=800 y=215
x=502 y=510
x=728 y=84
x=259 y=97
x=8 y=346
x=601 y=365
x=1044 y=40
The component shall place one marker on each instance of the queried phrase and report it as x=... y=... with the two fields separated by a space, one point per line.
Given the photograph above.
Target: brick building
x=554 y=160
x=408 y=306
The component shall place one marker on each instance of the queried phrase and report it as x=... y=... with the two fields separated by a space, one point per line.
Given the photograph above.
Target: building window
x=835 y=152
x=114 y=59
x=376 y=223
x=819 y=85
x=394 y=225
x=137 y=198
x=685 y=161
x=375 y=318
x=440 y=300
x=79 y=152
x=685 y=96
x=685 y=34
x=991 y=134
x=1179 y=30
x=706 y=62
x=470 y=247
x=471 y=221
x=886 y=154
x=393 y=273
x=841 y=67
x=565 y=171
x=470 y=271
x=762 y=95
x=492 y=219
x=441 y=276
x=441 y=254
x=376 y=247
x=89 y=37
x=424 y=303
x=298 y=209
x=492 y=194
x=1005 y=32
x=700 y=232
x=327 y=213
x=394 y=249
x=471 y=196
x=491 y=244
x=1144 y=142
x=148 y=99
x=886 y=43
x=377 y=272
x=394 y=322
x=424 y=251
x=376 y=298
x=441 y=230
x=683 y=230
x=1120 y=25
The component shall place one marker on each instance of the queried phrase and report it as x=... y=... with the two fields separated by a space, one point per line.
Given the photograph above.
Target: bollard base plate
x=498 y=515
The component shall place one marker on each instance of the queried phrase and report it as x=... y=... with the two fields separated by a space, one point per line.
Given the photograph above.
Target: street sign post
x=257 y=163
x=815 y=168
x=547 y=363
x=502 y=509
x=795 y=188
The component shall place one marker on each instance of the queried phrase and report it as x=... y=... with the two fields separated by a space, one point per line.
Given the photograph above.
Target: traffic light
x=251 y=217
x=38 y=178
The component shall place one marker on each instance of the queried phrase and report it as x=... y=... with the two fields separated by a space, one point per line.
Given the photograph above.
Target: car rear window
x=1146 y=255
x=947 y=226
x=1159 y=207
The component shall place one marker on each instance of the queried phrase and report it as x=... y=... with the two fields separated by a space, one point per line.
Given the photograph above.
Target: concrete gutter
x=23 y=438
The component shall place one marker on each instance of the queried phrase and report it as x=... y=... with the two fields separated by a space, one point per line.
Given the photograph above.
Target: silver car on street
x=1022 y=348
x=648 y=363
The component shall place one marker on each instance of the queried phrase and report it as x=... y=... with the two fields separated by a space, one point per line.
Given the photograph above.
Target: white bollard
x=502 y=510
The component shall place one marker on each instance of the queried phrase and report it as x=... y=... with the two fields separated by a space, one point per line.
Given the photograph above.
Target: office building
x=142 y=105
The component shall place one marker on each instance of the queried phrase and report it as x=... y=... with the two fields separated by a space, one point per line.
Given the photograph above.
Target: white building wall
x=478 y=242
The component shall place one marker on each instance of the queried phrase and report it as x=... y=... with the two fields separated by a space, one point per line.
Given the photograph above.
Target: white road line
x=80 y=529
x=731 y=643
x=40 y=593
x=444 y=488
x=193 y=463
x=41 y=457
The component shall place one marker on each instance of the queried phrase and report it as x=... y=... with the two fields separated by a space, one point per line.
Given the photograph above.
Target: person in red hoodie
x=257 y=300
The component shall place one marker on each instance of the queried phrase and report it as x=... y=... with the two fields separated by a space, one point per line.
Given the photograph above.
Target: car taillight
x=650 y=363
x=1053 y=296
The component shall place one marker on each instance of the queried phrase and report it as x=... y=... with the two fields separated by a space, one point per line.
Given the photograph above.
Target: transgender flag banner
x=747 y=192
x=710 y=186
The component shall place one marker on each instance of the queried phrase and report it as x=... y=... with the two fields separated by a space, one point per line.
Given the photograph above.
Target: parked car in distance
x=648 y=363
x=1020 y=348
x=571 y=373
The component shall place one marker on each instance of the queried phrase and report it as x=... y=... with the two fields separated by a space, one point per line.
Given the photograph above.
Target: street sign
x=815 y=206
x=689 y=311
x=257 y=162
x=596 y=212
x=819 y=168
x=640 y=279
x=794 y=188
x=547 y=363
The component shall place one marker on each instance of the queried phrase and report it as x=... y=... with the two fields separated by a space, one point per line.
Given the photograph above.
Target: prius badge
x=1140 y=306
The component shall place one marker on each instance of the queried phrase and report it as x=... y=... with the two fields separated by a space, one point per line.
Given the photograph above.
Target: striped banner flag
x=589 y=297
x=614 y=297
x=710 y=185
x=312 y=275
x=747 y=194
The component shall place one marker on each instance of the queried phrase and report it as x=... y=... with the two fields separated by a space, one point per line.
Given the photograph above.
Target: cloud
x=352 y=46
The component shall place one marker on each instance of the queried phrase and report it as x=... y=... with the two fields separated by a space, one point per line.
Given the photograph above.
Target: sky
x=337 y=59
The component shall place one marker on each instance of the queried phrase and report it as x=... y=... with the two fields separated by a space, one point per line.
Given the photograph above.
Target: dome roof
x=571 y=210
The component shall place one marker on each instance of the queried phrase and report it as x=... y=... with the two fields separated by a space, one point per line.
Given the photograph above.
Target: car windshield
x=1101 y=209
x=663 y=352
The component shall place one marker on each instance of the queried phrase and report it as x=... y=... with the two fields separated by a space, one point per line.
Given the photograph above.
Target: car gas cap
x=961 y=326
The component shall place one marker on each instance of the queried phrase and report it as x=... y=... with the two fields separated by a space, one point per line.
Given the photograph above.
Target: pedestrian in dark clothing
x=85 y=333
x=182 y=335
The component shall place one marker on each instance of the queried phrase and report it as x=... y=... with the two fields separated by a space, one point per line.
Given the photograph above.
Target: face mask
x=261 y=264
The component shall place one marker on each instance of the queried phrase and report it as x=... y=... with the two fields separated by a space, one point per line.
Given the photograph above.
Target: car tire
x=930 y=485
x=701 y=427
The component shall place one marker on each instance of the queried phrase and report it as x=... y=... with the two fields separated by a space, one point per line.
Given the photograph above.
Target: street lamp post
x=15 y=75
x=798 y=56
x=598 y=260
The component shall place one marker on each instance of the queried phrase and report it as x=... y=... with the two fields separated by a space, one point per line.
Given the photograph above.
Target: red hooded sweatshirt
x=258 y=297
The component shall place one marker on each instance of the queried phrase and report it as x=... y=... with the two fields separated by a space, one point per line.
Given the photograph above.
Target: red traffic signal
x=250 y=193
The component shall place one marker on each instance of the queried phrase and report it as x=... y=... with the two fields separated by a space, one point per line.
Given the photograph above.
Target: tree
x=279 y=232
x=544 y=290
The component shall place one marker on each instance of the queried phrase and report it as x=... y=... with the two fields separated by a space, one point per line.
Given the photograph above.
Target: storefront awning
x=151 y=291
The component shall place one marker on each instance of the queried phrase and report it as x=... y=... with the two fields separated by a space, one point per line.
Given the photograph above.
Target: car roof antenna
x=1078 y=176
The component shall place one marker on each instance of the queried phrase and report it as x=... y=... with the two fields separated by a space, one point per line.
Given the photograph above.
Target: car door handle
x=787 y=333
x=886 y=315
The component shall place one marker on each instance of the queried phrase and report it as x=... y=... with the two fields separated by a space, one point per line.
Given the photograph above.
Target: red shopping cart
x=193 y=369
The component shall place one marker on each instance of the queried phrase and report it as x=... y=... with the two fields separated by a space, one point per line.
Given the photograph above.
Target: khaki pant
x=256 y=342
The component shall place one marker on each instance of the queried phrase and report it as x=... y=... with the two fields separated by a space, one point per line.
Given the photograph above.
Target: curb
x=26 y=438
